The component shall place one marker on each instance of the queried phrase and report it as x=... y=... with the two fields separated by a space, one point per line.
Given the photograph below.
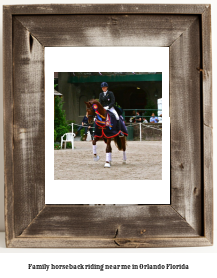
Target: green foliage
x=68 y=145
x=57 y=146
x=60 y=130
x=82 y=133
x=55 y=135
x=75 y=127
x=60 y=115
x=56 y=84
x=60 y=123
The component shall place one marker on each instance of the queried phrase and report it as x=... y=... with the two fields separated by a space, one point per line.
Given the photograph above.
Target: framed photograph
x=147 y=152
x=186 y=217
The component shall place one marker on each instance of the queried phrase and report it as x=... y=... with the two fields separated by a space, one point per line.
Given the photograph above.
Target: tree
x=60 y=123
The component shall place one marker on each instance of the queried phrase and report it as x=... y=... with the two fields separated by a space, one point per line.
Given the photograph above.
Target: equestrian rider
x=107 y=99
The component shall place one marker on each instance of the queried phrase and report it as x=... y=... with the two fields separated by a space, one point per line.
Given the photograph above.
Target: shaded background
x=136 y=91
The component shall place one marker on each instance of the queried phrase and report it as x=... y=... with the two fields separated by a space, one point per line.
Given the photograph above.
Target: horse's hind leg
x=110 y=156
x=95 y=156
x=108 y=153
x=123 y=142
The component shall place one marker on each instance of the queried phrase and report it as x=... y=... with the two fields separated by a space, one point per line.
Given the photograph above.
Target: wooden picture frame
x=186 y=30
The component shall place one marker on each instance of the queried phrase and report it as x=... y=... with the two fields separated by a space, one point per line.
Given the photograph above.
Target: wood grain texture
x=185 y=113
x=207 y=123
x=109 y=222
x=106 y=9
x=107 y=30
x=8 y=125
x=29 y=223
x=208 y=183
x=29 y=131
x=207 y=67
x=34 y=242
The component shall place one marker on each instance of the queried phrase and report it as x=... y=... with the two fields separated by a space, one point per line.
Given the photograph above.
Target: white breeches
x=114 y=112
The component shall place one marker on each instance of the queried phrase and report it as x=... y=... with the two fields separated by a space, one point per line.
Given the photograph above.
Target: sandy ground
x=144 y=162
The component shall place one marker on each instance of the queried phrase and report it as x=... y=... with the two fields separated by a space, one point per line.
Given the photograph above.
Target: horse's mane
x=94 y=101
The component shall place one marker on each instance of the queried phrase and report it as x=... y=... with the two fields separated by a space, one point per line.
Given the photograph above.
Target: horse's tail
x=118 y=142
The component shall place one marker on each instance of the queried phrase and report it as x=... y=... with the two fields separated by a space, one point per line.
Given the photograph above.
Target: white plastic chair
x=69 y=138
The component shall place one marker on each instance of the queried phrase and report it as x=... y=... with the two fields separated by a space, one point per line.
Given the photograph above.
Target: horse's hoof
x=96 y=158
x=107 y=165
x=124 y=162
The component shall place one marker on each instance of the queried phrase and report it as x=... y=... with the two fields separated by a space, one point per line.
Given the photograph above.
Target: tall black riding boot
x=121 y=133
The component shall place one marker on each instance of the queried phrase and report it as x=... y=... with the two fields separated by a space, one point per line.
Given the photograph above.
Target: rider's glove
x=106 y=107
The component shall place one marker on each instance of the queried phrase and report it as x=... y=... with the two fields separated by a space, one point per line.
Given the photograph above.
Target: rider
x=85 y=125
x=107 y=99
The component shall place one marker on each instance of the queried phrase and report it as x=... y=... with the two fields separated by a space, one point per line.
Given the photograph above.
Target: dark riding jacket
x=85 y=120
x=107 y=100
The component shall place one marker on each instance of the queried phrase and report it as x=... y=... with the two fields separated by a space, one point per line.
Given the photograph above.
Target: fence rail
x=147 y=125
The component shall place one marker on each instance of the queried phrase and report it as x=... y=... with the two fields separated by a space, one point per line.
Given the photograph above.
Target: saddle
x=119 y=110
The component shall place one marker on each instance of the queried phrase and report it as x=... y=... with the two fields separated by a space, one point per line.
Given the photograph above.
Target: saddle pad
x=109 y=128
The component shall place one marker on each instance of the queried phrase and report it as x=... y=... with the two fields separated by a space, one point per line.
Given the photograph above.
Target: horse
x=104 y=126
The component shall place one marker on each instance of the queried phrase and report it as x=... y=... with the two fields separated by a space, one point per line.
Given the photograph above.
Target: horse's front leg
x=108 y=154
x=123 y=142
x=95 y=156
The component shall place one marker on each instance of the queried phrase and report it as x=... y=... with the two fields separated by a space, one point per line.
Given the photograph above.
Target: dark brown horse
x=120 y=142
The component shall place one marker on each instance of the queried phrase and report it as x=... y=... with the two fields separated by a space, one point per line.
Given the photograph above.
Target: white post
x=140 y=131
x=72 y=136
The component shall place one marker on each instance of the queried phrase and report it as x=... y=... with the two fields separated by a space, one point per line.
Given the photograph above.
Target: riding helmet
x=104 y=84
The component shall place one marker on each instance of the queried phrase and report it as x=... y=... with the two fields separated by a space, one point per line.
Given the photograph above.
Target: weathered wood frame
x=186 y=29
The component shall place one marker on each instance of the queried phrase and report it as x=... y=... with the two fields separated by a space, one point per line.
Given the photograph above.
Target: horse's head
x=90 y=111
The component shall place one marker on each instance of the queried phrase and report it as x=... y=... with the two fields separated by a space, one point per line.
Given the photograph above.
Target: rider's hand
x=106 y=107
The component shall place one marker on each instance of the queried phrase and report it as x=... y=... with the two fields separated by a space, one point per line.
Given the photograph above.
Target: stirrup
x=121 y=134
x=107 y=165
x=96 y=158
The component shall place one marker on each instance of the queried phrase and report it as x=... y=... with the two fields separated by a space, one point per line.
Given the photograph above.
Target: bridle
x=91 y=113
